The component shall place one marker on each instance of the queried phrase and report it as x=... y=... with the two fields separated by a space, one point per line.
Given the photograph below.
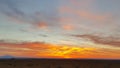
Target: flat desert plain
x=58 y=63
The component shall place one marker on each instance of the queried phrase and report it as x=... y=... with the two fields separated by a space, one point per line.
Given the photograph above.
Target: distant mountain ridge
x=6 y=57
x=11 y=57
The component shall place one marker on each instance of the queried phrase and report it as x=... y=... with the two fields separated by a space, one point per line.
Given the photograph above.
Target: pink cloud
x=111 y=41
x=85 y=14
x=68 y=27
x=42 y=25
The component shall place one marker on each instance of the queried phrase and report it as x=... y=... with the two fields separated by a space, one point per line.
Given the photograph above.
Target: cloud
x=43 y=35
x=84 y=14
x=36 y=19
x=47 y=50
x=72 y=12
x=9 y=8
x=42 y=25
x=68 y=27
x=41 y=49
x=112 y=41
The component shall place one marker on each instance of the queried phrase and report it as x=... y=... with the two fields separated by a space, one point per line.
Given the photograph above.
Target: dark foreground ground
x=58 y=63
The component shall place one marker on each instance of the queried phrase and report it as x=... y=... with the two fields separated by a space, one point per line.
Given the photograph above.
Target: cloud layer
x=112 y=41
x=93 y=22
x=46 y=50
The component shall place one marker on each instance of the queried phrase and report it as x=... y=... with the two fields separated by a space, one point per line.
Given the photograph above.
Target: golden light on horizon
x=65 y=51
x=47 y=50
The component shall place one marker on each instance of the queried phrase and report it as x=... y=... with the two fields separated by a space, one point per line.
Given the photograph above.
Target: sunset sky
x=60 y=28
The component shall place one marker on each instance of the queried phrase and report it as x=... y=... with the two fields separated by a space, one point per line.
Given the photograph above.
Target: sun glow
x=65 y=51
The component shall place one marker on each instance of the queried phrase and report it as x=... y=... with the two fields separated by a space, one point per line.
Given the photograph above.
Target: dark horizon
x=58 y=63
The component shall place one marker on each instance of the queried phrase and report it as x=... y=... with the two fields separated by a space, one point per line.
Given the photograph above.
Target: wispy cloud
x=46 y=50
x=37 y=19
x=83 y=16
x=68 y=27
x=112 y=41
x=9 y=8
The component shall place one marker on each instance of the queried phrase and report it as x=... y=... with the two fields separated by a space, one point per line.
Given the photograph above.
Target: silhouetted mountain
x=7 y=57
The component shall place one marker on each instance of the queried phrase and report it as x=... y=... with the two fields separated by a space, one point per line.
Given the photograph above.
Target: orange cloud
x=68 y=27
x=46 y=50
x=66 y=23
x=42 y=25
x=67 y=52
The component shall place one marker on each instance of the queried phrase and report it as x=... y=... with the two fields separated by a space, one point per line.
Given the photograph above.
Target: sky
x=60 y=28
